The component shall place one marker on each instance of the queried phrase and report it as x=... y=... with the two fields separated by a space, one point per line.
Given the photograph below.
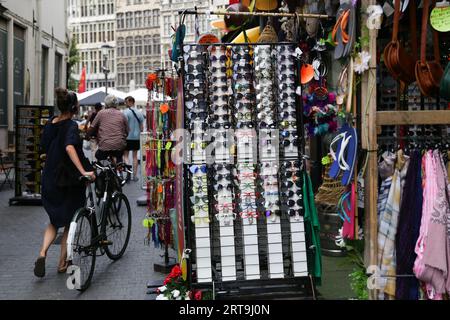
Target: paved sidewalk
x=21 y=232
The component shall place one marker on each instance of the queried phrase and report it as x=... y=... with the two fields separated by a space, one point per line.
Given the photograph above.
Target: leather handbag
x=428 y=73
x=399 y=62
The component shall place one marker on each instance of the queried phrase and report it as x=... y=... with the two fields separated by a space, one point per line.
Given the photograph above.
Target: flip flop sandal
x=350 y=157
x=39 y=267
x=350 y=36
x=335 y=167
x=337 y=37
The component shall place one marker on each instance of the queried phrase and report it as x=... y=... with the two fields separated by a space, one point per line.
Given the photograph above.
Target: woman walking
x=62 y=144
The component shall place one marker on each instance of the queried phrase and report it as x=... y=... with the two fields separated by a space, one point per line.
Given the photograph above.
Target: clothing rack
x=371 y=118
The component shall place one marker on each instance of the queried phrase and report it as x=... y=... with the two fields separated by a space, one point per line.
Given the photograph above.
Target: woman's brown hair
x=66 y=100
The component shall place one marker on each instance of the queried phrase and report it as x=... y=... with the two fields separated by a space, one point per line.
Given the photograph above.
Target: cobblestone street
x=21 y=232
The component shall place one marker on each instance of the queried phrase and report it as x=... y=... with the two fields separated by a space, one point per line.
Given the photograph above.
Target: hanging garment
x=388 y=229
x=447 y=198
x=386 y=171
x=312 y=229
x=407 y=288
x=435 y=253
x=429 y=189
x=348 y=229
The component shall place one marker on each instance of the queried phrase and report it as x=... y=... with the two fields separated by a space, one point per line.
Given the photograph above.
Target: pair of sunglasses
x=289 y=184
x=287 y=142
x=291 y=193
x=194 y=169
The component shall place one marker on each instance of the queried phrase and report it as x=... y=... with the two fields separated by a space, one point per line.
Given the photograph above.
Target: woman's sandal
x=39 y=267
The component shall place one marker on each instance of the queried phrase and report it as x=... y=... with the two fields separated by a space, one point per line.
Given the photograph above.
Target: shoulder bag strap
x=137 y=118
x=396 y=20
x=413 y=25
x=423 y=36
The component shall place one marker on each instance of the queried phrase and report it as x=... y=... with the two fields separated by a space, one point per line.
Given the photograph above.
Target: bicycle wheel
x=118 y=226
x=81 y=250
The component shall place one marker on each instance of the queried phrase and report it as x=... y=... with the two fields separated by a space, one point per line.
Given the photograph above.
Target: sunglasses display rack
x=265 y=55
x=239 y=100
x=222 y=170
x=30 y=121
x=244 y=93
x=291 y=167
x=196 y=97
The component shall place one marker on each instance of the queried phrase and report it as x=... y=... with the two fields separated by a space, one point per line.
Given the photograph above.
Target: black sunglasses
x=221 y=58
x=220 y=167
x=220 y=177
x=221 y=69
x=292 y=203
x=248 y=96
x=224 y=107
x=267 y=125
x=220 y=187
x=198 y=67
x=287 y=142
x=197 y=115
x=223 y=88
x=246 y=124
x=222 y=78
x=290 y=184
x=216 y=117
x=290 y=193
x=289 y=174
x=218 y=125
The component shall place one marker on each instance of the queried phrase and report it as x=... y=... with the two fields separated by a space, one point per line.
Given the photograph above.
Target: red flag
x=82 y=83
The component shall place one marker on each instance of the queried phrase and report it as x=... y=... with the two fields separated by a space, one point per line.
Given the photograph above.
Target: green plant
x=72 y=61
x=358 y=278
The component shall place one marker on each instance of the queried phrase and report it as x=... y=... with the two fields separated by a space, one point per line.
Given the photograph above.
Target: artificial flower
x=176 y=293
x=361 y=62
x=161 y=297
x=198 y=295
x=162 y=289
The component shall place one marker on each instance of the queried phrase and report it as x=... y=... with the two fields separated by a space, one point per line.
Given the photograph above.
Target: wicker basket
x=330 y=191
x=268 y=35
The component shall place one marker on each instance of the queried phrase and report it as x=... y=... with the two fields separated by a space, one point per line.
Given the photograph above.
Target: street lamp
x=105 y=53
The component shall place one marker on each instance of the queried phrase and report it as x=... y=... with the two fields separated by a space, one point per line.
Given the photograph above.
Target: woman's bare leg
x=63 y=256
x=49 y=237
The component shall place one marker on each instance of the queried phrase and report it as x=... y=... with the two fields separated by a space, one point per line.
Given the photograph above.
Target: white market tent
x=141 y=96
x=89 y=93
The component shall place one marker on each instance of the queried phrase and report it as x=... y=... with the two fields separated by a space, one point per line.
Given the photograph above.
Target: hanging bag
x=399 y=62
x=428 y=73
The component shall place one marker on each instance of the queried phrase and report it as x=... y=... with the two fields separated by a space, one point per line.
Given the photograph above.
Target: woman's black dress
x=60 y=203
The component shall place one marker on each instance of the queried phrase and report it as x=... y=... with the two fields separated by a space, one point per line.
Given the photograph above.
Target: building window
x=137 y=1
x=120 y=21
x=121 y=74
x=138 y=72
x=156 y=45
x=147 y=18
x=138 y=46
x=138 y=19
x=130 y=75
x=129 y=20
x=156 y=18
x=147 y=45
x=110 y=7
x=120 y=47
x=167 y=25
x=129 y=46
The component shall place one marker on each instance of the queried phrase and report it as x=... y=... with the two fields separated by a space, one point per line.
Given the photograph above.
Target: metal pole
x=252 y=14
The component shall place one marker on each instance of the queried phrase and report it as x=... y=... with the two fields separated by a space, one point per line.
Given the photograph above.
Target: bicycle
x=109 y=234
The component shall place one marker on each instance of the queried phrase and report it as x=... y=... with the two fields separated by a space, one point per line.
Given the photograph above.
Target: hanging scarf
x=312 y=229
x=388 y=229
x=407 y=288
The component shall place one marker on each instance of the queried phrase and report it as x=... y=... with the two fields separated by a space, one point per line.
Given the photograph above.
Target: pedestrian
x=61 y=143
x=136 y=126
x=111 y=128
x=93 y=140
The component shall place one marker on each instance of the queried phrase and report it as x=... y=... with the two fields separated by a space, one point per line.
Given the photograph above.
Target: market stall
x=354 y=95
